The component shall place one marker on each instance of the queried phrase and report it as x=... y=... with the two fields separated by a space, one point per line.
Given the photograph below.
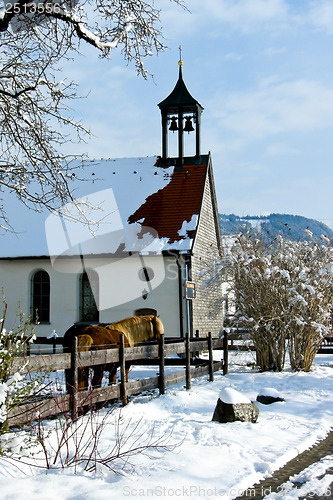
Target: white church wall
x=162 y=295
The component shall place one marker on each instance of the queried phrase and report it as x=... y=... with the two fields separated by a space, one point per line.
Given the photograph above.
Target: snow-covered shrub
x=261 y=301
x=15 y=387
x=310 y=299
x=283 y=292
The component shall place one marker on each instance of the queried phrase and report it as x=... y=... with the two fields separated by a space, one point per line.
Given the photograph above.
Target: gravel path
x=273 y=483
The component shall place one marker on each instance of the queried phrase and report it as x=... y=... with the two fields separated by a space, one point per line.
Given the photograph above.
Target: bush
x=283 y=295
x=15 y=387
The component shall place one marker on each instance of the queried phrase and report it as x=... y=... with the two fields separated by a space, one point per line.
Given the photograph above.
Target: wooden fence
x=244 y=336
x=150 y=353
x=157 y=354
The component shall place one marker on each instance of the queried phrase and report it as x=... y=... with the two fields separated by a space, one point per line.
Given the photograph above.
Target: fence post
x=225 y=352
x=161 y=354
x=211 y=360
x=188 y=361
x=197 y=336
x=123 y=388
x=74 y=378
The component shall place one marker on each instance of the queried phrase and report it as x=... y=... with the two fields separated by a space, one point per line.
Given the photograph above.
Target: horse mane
x=139 y=328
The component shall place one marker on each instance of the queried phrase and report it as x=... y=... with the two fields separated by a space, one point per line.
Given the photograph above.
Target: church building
x=158 y=233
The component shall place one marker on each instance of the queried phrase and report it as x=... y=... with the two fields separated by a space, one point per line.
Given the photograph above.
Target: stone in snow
x=233 y=406
x=269 y=395
x=231 y=396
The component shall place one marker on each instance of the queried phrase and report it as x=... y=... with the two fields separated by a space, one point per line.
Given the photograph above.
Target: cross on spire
x=180 y=56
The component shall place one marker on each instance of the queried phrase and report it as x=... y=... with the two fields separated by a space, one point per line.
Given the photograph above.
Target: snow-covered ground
x=210 y=460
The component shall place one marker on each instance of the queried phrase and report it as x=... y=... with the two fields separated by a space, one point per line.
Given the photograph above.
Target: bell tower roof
x=179 y=97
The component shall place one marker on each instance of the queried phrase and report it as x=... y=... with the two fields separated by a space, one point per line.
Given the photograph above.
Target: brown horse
x=136 y=329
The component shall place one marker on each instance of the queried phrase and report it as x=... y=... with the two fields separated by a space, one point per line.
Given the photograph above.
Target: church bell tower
x=182 y=113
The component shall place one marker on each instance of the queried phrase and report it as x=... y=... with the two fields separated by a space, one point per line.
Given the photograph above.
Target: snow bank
x=211 y=461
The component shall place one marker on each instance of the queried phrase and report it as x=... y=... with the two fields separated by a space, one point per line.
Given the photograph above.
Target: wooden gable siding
x=206 y=245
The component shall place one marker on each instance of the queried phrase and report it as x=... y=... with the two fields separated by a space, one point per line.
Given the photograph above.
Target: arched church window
x=88 y=294
x=40 y=307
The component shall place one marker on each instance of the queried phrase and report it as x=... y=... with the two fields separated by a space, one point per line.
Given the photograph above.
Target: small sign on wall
x=190 y=290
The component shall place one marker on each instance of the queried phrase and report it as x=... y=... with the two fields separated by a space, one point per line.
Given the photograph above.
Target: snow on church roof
x=134 y=192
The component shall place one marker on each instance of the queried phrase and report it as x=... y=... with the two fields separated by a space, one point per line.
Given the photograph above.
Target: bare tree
x=35 y=117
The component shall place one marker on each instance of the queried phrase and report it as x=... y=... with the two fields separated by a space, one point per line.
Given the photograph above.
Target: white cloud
x=245 y=16
x=241 y=15
x=233 y=56
x=247 y=13
x=320 y=15
x=277 y=107
x=281 y=149
x=274 y=51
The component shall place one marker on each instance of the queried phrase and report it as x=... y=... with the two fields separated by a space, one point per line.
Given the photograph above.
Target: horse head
x=157 y=326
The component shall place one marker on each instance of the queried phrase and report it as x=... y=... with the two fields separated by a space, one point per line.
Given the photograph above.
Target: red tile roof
x=178 y=201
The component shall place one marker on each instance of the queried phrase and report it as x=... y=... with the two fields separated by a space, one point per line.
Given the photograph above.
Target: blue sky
x=262 y=70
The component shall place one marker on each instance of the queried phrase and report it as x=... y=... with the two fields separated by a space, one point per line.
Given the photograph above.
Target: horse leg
x=97 y=376
x=84 y=344
x=127 y=369
x=83 y=377
x=112 y=373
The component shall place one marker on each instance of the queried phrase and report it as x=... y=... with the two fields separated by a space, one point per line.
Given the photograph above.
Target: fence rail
x=244 y=335
x=150 y=353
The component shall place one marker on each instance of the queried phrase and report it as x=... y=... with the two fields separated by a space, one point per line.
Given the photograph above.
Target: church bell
x=188 y=125
x=173 y=126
